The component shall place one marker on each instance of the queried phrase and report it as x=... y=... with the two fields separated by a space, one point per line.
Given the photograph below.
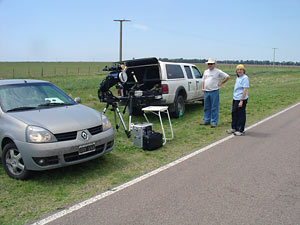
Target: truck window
x=174 y=71
x=197 y=73
x=188 y=72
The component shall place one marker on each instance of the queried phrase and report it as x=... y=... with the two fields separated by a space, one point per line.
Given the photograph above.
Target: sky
x=84 y=30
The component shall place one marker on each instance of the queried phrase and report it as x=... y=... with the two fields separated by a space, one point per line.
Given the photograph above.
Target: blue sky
x=83 y=30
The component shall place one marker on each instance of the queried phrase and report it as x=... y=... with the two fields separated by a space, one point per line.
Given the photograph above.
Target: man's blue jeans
x=211 y=107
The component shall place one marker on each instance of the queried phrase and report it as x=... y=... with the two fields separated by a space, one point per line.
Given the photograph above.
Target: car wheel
x=13 y=163
x=179 y=106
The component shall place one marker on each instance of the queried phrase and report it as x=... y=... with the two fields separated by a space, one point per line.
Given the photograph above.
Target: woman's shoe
x=238 y=133
x=230 y=131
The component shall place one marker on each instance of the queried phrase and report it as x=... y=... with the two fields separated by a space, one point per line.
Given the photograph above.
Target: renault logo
x=84 y=135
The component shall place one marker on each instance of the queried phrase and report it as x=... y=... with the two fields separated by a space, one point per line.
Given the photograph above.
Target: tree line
x=253 y=62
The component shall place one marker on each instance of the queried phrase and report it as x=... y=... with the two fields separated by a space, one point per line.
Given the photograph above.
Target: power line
x=121 y=28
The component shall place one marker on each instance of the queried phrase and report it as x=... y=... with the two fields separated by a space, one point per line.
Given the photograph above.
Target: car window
x=188 y=72
x=174 y=71
x=32 y=95
x=196 y=72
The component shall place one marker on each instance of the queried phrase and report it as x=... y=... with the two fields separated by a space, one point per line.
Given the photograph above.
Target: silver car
x=43 y=128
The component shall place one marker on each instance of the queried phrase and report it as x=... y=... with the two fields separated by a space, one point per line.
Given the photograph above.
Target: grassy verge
x=271 y=90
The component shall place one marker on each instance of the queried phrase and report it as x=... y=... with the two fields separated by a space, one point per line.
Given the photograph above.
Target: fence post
x=42 y=74
x=28 y=71
x=55 y=71
x=13 y=73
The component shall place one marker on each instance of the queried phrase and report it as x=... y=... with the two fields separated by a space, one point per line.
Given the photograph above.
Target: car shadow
x=102 y=166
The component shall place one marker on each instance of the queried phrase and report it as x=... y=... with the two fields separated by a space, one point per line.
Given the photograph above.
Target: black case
x=152 y=140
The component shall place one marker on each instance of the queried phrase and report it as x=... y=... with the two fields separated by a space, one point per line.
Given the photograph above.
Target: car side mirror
x=77 y=100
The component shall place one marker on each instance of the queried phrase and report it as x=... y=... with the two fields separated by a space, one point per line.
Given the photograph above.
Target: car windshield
x=26 y=96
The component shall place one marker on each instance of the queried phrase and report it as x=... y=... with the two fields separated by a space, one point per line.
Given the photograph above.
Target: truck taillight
x=165 y=89
x=119 y=92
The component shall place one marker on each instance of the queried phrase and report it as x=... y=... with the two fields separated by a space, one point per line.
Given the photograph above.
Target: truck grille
x=95 y=130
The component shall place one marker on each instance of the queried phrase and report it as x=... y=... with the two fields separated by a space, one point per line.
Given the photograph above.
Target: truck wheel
x=13 y=163
x=179 y=106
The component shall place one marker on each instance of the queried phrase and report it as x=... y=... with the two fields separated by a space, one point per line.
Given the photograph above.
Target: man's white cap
x=210 y=60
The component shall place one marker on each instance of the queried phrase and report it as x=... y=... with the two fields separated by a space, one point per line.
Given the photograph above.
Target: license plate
x=86 y=149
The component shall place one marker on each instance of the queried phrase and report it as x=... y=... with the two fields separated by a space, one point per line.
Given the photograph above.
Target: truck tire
x=179 y=105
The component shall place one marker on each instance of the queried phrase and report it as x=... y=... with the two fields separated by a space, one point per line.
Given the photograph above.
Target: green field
x=271 y=89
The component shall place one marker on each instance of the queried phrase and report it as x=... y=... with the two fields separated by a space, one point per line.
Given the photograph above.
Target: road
x=253 y=179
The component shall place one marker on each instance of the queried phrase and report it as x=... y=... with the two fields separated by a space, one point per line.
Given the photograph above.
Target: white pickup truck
x=162 y=83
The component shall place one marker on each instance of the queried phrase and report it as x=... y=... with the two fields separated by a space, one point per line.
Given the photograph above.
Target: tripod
x=112 y=100
x=130 y=100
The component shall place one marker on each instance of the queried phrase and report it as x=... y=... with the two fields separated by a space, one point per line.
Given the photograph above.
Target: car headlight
x=39 y=135
x=106 y=124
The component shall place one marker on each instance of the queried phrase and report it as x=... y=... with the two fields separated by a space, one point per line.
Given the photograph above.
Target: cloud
x=140 y=26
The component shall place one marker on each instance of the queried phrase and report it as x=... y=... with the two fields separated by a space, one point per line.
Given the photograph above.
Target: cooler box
x=138 y=132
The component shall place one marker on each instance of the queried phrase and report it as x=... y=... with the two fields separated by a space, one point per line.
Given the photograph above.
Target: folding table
x=157 y=110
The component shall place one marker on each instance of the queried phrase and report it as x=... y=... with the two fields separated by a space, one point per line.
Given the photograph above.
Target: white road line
x=143 y=177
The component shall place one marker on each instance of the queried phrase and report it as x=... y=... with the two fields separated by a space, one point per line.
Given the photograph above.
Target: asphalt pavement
x=254 y=179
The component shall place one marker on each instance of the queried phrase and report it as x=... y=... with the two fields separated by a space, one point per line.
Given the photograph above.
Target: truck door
x=191 y=91
x=198 y=78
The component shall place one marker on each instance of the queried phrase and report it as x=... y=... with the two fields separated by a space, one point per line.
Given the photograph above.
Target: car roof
x=21 y=81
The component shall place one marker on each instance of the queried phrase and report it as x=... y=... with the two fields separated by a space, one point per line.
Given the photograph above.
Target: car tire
x=13 y=163
x=179 y=106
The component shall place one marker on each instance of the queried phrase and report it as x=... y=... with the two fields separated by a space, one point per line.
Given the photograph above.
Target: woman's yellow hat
x=240 y=66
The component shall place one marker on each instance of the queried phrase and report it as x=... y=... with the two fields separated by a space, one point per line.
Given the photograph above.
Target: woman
x=240 y=98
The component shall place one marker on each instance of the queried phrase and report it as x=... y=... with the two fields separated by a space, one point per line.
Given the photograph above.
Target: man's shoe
x=213 y=125
x=204 y=124
x=230 y=131
x=238 y=133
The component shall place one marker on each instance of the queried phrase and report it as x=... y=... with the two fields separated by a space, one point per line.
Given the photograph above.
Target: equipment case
x=152 y=140
x=138 y=132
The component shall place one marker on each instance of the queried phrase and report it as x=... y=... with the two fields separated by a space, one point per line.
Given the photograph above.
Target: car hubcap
x=14 y=162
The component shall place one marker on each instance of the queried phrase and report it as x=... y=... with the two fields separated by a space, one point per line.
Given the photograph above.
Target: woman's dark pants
x=238 y=115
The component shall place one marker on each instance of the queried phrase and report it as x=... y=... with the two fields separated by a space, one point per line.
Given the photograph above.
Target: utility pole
x=121 y=27
x=274 y=49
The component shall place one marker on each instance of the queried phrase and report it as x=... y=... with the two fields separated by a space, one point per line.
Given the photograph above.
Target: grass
x=23 y=201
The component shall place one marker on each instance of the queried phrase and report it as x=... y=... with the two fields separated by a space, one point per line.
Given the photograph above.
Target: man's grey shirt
x=211 y=79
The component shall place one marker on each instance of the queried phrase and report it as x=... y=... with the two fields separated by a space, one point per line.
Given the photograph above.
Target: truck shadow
x=189 y=109
x=195 y=106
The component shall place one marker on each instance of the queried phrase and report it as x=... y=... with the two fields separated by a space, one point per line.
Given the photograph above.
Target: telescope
x=117 y=77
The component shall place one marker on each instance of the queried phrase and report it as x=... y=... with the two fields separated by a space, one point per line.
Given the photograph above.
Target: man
x=212 y=80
